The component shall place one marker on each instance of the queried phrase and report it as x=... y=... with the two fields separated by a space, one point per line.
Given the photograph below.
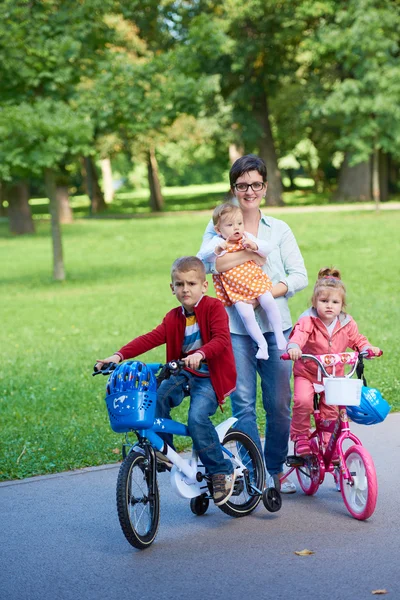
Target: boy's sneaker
x=222 y=487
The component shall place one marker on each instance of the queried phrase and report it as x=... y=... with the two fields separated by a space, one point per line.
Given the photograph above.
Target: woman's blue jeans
x=276 y=396
x=203 y=404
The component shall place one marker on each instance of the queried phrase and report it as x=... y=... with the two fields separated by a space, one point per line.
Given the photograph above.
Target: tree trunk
x=376 y=192
x=393 y=174
x=106 y=171
x=156 y=197
x=354 y=182
x=235 y=152
x=3 y=212
x=19 y=211
x=51 y=191
x=267 y=152
x=97 y=203
x=384 y=176
x=64 y=207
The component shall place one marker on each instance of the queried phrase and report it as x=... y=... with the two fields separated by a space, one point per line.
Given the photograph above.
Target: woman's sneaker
x=222 y=487
x=286 y=487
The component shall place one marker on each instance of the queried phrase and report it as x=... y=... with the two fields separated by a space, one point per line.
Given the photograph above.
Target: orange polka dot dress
x=242 y=283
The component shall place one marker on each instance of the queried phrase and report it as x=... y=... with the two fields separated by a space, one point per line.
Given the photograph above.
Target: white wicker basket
x=343 y=391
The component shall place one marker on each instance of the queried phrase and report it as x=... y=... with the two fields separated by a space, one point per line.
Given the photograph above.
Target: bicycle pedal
x=295 y=461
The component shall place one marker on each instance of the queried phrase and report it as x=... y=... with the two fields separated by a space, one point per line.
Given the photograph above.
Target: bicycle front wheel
x=138 y=501
x=243 y=501
x=359 y=494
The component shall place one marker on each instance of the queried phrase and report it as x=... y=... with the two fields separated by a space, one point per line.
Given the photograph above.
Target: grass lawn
x=52 y=411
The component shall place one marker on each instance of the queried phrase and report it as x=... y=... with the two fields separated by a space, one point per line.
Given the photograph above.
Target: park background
x=118 y=125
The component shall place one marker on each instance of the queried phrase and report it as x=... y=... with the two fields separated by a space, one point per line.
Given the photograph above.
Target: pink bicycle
x=353 y=469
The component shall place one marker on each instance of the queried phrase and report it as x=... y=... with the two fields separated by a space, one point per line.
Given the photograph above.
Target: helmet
x=373 y=408
x=131 y=397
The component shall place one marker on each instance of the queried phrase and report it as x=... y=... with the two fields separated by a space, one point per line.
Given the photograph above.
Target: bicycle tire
x=242 y=504
x=138 y=505
x=308 y=475
x=359 y=498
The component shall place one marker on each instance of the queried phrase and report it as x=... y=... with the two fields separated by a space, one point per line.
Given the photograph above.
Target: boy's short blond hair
x=188 y=263
x=224 y=209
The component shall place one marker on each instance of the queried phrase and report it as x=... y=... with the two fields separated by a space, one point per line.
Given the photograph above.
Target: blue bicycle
x=131 y=404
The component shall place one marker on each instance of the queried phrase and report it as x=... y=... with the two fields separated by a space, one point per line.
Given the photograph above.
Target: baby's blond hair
x=224 y=209
x=328 y=278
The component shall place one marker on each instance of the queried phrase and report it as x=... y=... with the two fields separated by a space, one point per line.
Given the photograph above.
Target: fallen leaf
x=304 y=552
x=376 y=592
x=116 y=451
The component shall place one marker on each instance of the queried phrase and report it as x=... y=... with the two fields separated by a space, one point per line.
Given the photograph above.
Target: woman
x=285 y=267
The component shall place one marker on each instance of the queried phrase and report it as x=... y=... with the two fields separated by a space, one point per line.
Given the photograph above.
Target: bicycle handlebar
x=368 y=354
x=172 y=368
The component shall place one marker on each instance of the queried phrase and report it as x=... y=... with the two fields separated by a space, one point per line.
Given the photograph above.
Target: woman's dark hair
x=244 y=164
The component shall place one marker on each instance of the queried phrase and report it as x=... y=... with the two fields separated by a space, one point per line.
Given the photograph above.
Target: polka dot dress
x=242 y=283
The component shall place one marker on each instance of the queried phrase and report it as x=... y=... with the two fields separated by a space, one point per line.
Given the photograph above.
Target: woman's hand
x=234 y=259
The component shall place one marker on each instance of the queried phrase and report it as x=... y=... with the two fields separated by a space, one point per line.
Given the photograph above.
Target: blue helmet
x=131 y=396
x=373 y=408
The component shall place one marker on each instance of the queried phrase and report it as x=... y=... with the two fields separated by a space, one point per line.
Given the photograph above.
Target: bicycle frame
x=339 y=429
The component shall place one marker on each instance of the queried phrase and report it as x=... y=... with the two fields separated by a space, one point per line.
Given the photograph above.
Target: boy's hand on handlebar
x=193 y=360
x=295 y=353
x=115 y=358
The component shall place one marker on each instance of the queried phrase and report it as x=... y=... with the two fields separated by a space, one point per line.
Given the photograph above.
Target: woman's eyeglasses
x=257 y=186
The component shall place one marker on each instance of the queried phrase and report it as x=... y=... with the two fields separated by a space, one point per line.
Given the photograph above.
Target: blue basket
x=130 y=410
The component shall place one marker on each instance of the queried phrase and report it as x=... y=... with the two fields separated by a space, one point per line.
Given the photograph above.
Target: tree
x=351 y=61
x=36 y=138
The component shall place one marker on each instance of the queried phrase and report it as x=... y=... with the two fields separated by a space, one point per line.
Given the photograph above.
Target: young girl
x=323 y=329
x=247 y=282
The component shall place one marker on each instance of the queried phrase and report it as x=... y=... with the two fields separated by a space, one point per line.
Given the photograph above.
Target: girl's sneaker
x=302 y=446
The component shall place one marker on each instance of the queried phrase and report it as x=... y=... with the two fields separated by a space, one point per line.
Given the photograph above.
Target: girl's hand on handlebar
x=193 y=360
x=377 y=351
x=295 y=353
x=115 y=358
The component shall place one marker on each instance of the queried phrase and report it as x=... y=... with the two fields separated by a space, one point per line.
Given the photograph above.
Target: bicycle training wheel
x=309 y=475
x=361 y=494
x=242 y=502
x=138 y=504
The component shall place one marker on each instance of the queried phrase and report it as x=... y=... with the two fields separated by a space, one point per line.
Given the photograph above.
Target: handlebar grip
x=106 y=369
x=285 y=356
x=369 y=354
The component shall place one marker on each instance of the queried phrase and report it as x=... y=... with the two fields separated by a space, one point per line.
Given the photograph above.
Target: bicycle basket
x=342 y=391
x=373 y=408
x=131 y=397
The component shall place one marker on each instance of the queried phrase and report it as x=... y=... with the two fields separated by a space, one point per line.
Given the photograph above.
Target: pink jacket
x=312 y=337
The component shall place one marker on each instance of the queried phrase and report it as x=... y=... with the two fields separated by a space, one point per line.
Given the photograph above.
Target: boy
x=197 y=332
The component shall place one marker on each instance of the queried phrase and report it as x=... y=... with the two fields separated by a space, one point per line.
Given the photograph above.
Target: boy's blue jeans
x=276 y=395
x=203 y=404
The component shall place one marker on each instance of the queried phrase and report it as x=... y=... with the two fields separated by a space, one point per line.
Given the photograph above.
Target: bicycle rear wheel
x=138 y=501
x=361 y=493
x=243 y=501
x=309 y=475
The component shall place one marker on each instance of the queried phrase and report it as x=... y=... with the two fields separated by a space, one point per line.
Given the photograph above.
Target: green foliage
x=351 y=61
x=53 y=413
x=39 y=135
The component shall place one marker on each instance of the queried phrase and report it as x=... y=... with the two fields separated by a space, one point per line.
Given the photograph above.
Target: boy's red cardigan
x=214 y=330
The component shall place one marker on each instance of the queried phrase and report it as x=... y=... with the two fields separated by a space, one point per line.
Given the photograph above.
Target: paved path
x=61 y=541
